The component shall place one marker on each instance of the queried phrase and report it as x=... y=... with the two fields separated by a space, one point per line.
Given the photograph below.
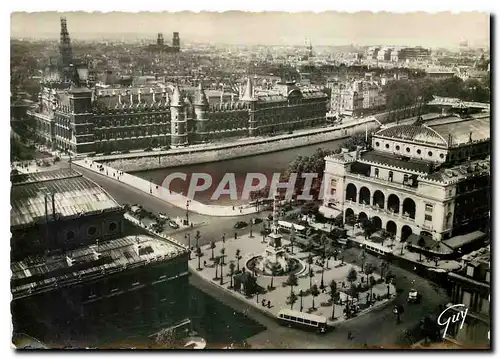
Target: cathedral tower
x=65 y=51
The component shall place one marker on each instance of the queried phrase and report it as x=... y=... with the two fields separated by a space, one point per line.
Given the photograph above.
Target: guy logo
x=445 y=318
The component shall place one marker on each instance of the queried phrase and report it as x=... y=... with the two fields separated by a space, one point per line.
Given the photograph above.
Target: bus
x=303 y=320
x=287 y=227
x=376 y=249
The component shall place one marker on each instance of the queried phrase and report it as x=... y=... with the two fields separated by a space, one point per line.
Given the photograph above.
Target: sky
x=267 y=28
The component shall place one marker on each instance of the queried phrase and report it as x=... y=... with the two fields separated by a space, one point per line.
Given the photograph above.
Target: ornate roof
x=177 y=97
x=200 y=97
x=416 y=133
x=249 y=92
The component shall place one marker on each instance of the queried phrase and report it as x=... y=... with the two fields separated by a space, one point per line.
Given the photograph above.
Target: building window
x=470 y=271
x=376 y=172
x=441 y=155
x=91 y=231
x=429 y=153
x=466 y=299
x=70 y=235
x=397 y=147
x=391 y=175
x=405 y=178
x=428 y=217
x=112 y=226
x=377 y=144
x=407 y=149
x=387 y=145
x=429 y=207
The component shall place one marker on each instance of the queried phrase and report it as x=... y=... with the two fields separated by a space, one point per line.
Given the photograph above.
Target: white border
x=250 y=5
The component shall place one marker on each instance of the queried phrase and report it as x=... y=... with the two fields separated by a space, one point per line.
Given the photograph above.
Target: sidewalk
x=164 y=194
x=252 y=246
x=357 y=236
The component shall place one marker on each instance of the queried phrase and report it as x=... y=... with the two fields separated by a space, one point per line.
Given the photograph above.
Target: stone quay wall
x=248 y=147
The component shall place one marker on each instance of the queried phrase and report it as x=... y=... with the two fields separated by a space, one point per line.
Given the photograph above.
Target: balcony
x=384 y=183
x=376 y=209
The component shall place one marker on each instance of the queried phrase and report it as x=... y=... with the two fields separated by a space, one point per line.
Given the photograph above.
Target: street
x=376 y=328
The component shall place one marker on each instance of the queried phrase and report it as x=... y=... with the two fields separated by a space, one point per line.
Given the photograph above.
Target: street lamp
x=251 y=226
x=187 y=211
x=223 y=239
x=301 y=294
x=188 y=237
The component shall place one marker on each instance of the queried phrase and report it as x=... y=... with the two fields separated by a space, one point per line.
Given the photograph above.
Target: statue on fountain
x=275 y=258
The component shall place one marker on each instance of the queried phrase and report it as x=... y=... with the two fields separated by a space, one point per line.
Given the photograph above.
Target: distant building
x=81 y=272
x=471 y=287
x=161 y=47
x=429 y=178
x=81 y=120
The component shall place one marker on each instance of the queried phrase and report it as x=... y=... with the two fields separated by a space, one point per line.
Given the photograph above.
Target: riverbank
x=163 y=193
x=214 y=152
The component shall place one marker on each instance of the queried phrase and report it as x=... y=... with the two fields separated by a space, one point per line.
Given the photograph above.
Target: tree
x=199 y=253
x=221 y=267
x=197 y=237
x=372 y=282
x=311 y=275
x=292 y=237
x=231 y=273
x=315 y=292
x=292 y=281
x=238 y=257
x=352 y=276
x=334 y=296
x=212 y=247
x=363 y=259
x=222 y=255
x=216 y=262
x=421 y=244
x=368 y=270
x=292 y=299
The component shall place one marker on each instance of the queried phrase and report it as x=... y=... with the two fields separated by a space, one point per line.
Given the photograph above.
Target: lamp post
x=187 y=211
x=301 y=294
x=251 y=225
x=223 y=240
x=188 y=237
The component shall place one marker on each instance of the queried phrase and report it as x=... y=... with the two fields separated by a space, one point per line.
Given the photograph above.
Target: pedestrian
x=269 y=304
x=263 y=302
x=204 y=263
x=233 y=208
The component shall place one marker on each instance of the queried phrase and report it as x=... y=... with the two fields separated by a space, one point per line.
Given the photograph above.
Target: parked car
x=240 y=224
x=413 y=296
x=257 y=220
x=173 y=224
x=163 y=216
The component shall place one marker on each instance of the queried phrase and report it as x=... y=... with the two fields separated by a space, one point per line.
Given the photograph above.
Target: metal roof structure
x=73 y=195
x=44 y=272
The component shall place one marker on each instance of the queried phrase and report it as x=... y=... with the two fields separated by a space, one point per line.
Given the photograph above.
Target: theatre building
x=430 y=178
x=82 y=275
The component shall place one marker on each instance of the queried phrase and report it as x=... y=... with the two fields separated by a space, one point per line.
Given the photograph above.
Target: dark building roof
x=38 y=272
x=74 y=194
x=397 y=162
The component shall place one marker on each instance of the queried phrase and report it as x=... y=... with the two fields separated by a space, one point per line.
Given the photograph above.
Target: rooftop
x=412 y=132
x=74 y=195
x=460 y=172
x=39 y=272
x=463 y=131
x=393 y=161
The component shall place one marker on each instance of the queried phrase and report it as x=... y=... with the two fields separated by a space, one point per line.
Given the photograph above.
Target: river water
x=267 y=164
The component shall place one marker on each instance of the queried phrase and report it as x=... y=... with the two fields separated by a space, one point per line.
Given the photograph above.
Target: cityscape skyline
x=267 y=28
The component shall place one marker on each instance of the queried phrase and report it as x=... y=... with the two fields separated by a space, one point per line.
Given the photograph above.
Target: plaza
x=275 y=288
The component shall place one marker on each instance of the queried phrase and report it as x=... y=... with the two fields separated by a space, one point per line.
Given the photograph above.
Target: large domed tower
x=178 y=123
x=200 y=109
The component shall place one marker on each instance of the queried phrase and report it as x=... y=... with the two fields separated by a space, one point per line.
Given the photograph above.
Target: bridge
x=451 y=102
